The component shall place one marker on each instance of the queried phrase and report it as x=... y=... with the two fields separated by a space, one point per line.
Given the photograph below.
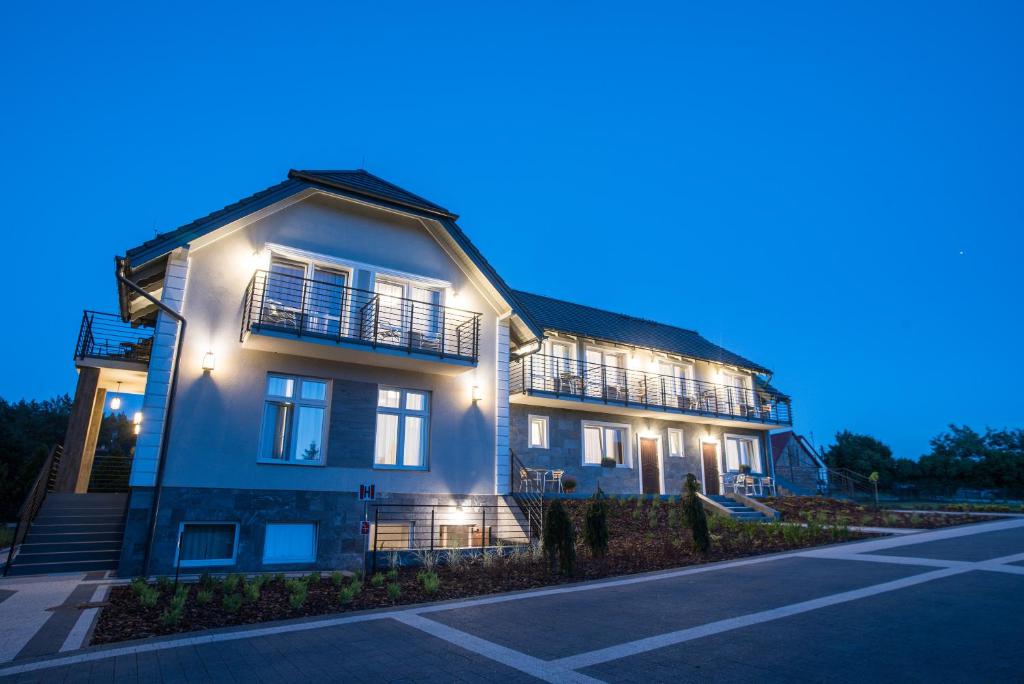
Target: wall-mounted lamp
x=115 y=401
x=137 y=418
x=477 y=396
x=209 y=362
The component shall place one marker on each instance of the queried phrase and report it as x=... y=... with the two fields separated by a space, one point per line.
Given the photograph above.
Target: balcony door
x=679 y=385
x=326 y=302
x=605 y=376
x=425 y=315
x=283 y=294
x=739 y=396
x=391 y=312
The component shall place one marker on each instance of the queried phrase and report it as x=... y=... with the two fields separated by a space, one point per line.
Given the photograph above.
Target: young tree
x=595 y=530
x=696 y=518
x=559 y=538
x=862 y=454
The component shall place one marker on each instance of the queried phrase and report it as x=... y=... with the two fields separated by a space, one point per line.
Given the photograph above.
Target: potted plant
x=608 y=462
x=569 y=484
x=744 y=468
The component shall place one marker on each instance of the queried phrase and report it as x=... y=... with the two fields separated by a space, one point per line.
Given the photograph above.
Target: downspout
x=166 y=431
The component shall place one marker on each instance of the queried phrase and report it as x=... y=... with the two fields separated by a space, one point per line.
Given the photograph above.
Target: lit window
x=290 y=543
x=601 y=441
x=294 y=417
x=538 y=432
x=742 y=451
x=675 y=442
x=402 y=420
x=205 y=544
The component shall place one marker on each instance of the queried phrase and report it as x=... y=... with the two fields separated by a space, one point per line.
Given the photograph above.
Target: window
x=605 y=440
x=538 y=432
x=742 y=451
x=605 y=373
x=675 y=442
x=403 y=419
x=290 y=542
x=207 y=544
x=294 y=417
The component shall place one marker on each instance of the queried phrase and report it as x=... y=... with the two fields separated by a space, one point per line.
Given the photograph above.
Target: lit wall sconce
x=209 y=362
x=137 y=418
x=477 y=396
x=137 y=428
x=115 y=401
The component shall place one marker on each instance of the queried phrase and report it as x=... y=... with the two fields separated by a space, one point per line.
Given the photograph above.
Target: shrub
x=171 y=616
x=164 y=583
x=394 y=591
x=393 y=574
x=231 y=583
x=232 y=602
x=206 y=581
x=377 y=580
x=431 y=582
x=693 y=509
x=559 y=539
x=427 y=559
x=569 y=484
x=297 y=593
x=595 y=525
x=346 y=595
x=279 y=577
x=313 y=579
x=487 y=557
x=204 y=596
x=356 y=587
x=146 y=593
x=252 y=592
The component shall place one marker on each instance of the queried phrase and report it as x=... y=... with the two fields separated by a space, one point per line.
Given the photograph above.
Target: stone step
x=50 y=568
x=30 y=547
x=108 y=554
x=78 y=518
x=71 y=537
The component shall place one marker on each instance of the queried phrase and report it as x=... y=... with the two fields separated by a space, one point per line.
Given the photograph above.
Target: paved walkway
x=945 y=605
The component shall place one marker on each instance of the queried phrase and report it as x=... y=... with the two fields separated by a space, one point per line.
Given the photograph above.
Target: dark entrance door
x=650 y=470
x=709 y=452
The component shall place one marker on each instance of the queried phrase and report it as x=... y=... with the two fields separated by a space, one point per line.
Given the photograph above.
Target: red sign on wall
x=366 y=492
x=364 y=527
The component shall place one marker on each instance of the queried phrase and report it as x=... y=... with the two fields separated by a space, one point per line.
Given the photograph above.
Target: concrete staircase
x=73 y=533
x=737 y=510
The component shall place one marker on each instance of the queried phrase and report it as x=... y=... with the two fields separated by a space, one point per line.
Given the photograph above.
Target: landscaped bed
x=827 y=511
x=643 y=535
x=958 y=507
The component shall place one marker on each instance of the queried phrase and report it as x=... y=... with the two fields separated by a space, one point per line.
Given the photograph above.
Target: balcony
x=292 y=307
x=540 y=375
x=105 y=338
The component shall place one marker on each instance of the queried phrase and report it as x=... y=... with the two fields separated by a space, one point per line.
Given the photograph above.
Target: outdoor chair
x=767 y=483
x=556 y=479
x=746 y=482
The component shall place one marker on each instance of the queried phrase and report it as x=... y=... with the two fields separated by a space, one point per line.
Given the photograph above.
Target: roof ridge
x=609 y=311
x=412 y=196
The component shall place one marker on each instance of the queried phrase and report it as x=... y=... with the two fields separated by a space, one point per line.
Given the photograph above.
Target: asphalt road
x=946 y=606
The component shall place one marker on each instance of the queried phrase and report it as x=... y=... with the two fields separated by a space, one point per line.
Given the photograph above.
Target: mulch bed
x=645 y=535
x=838 y=511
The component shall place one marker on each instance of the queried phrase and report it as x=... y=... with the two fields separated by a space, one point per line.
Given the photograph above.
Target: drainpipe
x=165 y=434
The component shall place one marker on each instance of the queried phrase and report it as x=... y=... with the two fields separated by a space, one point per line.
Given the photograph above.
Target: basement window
x=204 y=544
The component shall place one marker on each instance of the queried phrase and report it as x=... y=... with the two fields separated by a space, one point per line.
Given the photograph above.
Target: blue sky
x=833 y=190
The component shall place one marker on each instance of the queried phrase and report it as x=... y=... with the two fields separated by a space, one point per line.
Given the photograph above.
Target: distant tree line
x=960 y=457
x=27 y=431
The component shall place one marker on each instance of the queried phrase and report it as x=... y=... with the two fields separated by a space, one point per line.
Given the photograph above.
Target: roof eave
x=319 y=180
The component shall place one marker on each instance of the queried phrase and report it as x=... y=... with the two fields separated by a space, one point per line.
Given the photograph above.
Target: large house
x=335 y=331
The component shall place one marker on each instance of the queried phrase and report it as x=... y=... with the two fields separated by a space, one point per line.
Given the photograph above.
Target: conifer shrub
x=559 y=539
x=595 y=529
x=696 y=518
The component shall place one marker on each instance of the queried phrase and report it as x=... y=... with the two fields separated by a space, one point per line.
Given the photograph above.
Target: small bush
x=393 y=574
x=231 y=583
x=693 y=509
x=394 y=591
x=313 y=579
x=346 y=595
x=356 y=586
x=431 y=582
x=232 y=602
x=172 y=616
x=337 y=578
x=206 y=581
x=559 y=539
x=568 y=484
x=164 y=583
x=377 y=580
x=298 y=591
x=204 y=596
x=595 y=525
x=252 y=592
x=279 y=577
x=146 y=593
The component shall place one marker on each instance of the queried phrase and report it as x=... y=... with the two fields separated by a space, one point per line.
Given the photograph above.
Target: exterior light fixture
x=137 y=418
x=477 y=396
x=115 y=401
x=137 y=428
x=209 y=362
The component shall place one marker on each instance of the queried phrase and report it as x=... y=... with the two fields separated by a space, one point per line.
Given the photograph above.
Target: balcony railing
x=568 y=379
x=282 y=303
x=106 y=336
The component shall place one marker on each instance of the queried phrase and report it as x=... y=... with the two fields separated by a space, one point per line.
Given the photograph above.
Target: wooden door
x=650 y=469
x=709 y=452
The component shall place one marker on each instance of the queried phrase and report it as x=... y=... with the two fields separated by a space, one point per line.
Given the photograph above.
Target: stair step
x=76 y=527
x=86 y=519
x=68 y=546
x=48 y=568
x=107 y=554
x=71 y=537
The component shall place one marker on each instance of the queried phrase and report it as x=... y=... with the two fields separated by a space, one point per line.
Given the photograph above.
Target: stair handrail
x=850 y=481
x=43 y=484
x=530 y=503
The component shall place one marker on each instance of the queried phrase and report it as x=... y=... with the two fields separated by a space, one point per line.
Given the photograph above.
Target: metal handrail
x=560 y=377
x=304 y=307
x=530 y=502
x=43 y=484
x=106 y=336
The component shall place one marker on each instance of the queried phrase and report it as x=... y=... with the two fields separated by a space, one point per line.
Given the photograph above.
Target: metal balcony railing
x=565 y=378
x=106 y=336
x=283 y=303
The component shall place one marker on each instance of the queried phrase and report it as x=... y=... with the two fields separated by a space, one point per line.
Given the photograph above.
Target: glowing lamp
x=209 y=362
x=115 y=401
x=477 y=396
x=137 y=418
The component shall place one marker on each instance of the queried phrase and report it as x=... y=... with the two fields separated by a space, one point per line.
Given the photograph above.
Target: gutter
x=121 y=263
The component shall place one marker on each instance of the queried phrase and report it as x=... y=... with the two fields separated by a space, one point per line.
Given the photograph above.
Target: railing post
x=431 y=528
x=444 y=328
x=412 y=322
x=376 y=318
x=373 y=555
x=483 y=527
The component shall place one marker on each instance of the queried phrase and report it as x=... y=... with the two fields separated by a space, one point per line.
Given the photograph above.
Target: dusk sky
x=833 y=190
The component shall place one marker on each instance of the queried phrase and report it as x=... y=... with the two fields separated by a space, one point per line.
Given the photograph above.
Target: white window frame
x=545 y=434
x=281 y=561
x=627 y=442
x=204 y=563
x=756 y=453
x=296 y=400
x=668 y=443
x=402 y=413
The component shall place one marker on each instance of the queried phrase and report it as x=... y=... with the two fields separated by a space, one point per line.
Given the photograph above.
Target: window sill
x=303 y=464
x=289 y=561
x=415 y=469
x=206 y=563
x=621 y=466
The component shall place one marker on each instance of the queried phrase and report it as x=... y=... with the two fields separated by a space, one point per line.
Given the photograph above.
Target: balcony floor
x=599 y=405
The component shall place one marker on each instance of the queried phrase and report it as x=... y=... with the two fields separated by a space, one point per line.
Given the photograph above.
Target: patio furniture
x=746 y=482
x=569 y=383
x=537 y=476
x=556 y=479
x=769 y=484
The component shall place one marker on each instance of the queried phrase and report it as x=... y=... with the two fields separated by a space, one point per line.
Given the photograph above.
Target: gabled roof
x=356 y=184
x=557 y=314
x=780 y=440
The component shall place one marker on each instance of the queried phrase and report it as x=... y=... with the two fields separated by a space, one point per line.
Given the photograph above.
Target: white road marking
x=854 y=551
x=535 y=667
x=76 y=636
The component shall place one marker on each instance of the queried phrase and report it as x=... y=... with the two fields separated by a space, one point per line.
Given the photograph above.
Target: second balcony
x=289 y=307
